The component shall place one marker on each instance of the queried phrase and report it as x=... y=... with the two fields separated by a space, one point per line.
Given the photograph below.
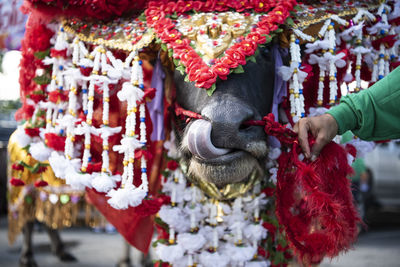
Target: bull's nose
x=227 y=118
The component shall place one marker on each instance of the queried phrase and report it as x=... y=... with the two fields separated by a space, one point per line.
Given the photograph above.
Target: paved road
x=380 y=247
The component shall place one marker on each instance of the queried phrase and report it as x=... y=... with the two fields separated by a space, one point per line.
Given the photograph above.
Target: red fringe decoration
x=16 y=182
x=55 y=141
x=313 y=199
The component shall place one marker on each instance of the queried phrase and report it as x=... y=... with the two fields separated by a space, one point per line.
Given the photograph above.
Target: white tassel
x=40 y=151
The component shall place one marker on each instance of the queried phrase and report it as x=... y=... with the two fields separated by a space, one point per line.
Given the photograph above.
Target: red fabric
x=136 y=230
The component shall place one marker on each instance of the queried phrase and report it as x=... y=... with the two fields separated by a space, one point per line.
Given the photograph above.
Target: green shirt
x=372 y=114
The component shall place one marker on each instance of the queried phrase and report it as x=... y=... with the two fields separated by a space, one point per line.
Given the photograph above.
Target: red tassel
x=16 y=182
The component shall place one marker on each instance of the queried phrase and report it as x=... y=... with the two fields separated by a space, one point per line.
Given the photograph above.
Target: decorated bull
x=177 y=114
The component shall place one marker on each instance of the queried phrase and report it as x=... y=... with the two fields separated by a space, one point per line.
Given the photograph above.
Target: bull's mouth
x=231 y=168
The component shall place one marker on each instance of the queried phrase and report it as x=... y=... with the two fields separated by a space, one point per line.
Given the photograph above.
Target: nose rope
x=325 y=210
x=272 y=128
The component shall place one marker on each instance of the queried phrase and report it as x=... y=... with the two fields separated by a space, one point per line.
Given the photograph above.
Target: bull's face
x=219 y=148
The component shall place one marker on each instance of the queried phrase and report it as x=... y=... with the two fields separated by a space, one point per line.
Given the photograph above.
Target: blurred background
x=376 y=186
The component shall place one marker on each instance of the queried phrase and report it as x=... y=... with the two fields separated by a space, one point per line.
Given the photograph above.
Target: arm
x=372 y=114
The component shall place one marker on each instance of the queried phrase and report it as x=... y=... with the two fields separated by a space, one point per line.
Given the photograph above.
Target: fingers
x=301 y=128
x=320 y=141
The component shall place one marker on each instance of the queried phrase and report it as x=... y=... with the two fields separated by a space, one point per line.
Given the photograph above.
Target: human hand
x=324 y=128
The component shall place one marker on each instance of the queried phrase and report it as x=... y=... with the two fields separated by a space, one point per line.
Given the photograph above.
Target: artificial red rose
x=16 y=182
x=170 y=35
x=153 y=15
x=185 y=6
x=55 y=141
x=187 y=57
x=26 y=112
x=208 y=6
x=172 y=165
x=261 y=251
x=37 y=97
x=260 y=6
x=163 y=24
x=248 y=48
x=221 y=69
x=271 y=229
x=256 y=37
x=58 y=95
x=193 y=67
x=240 y=6
x=227 y=61
x=196 y=5
x=206 y=78
x=41 y=183
x=236 y=55
x=179 y=46
x=17 y=167
x=32 y=132
x=221 y=6
x=268 y=191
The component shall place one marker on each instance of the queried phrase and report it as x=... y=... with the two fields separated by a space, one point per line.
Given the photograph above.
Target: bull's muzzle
x=199 y=141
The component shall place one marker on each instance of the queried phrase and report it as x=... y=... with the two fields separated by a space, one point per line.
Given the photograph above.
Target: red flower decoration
x=222 y=70
x=32 y=132
x=203 y=75
x=55 y=141
x=37 y=97
x=16 y=182
x=17 y=167
x=41 y=169
x=41 y=183
x=172 y=165
x=236 y=55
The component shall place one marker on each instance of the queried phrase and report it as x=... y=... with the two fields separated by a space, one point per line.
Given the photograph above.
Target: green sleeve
x=372 y=114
